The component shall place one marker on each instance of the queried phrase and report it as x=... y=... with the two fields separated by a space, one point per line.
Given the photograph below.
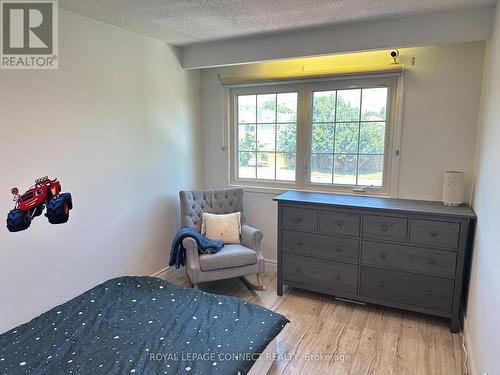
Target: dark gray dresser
x=407 y=254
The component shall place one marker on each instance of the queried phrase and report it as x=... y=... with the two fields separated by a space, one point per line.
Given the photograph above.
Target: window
x=329 y=135
x=348 y=136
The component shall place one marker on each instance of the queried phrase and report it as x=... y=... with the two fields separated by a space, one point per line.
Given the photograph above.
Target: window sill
x=280 y=190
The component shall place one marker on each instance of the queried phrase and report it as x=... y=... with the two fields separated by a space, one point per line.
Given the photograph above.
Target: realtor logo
x=29 y=34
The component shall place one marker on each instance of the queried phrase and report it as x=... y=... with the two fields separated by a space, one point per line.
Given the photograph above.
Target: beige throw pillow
x=225 y=228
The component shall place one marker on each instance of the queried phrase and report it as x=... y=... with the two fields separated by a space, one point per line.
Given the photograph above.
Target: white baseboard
x=271 y=265
x=471 y=367
x=161 y=272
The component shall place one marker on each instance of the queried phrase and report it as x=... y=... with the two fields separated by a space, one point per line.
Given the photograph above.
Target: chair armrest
x=251 y=237
x=192 y=254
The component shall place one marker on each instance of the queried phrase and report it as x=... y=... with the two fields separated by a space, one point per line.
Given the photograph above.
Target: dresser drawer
x=434 y=233
x=300 y=218
x=342 y=223
x=385 y=228
x=438 y=262
x=409 y=289
x=320 y=245
x=321 y=273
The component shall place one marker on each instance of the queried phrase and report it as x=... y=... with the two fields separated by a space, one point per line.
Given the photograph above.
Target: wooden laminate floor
x=327 y=336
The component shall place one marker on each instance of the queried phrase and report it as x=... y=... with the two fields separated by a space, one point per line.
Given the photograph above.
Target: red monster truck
x=45 y=193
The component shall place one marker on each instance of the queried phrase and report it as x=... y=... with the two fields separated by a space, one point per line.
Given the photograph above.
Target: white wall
x=119 y=124
x=439 y=127
x=484 y=291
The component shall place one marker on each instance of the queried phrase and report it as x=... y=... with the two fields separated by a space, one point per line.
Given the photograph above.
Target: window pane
x=265 y=165
x=370 y=170
x=287 y=137
x=348 y=102
x=285 y=167
x=266 y=108
x=324 y=106
x=246 y=108
x=287 y=107
x=267 y=131
x=265 y=137
x=346 y=138
x=246 y=168
x=374 y=104
x=344 y=171
x=322 y=137
x=372 y=138
x=246 y=135
x=321 y=168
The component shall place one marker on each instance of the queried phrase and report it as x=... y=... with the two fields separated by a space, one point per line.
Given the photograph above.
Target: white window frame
x=305 y=89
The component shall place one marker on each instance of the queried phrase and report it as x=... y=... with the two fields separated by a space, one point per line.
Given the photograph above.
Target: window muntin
x=266 y=128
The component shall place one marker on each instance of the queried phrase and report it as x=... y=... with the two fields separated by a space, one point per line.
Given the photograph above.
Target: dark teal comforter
x=141 y=325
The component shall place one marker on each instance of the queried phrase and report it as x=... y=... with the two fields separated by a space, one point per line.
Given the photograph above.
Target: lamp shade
x=453 y=188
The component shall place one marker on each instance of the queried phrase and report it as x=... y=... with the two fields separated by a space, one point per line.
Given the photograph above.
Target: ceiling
x=181 y=23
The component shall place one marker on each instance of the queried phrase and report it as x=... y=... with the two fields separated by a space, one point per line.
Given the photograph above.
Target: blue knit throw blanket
x=205 y=246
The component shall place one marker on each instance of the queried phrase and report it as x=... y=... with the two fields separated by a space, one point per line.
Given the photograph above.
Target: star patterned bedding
x=141 y=325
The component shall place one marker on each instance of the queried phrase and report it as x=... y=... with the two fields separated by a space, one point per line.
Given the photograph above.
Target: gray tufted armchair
x=234 y=260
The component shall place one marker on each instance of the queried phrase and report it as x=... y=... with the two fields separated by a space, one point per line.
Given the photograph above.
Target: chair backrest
x=219 y=201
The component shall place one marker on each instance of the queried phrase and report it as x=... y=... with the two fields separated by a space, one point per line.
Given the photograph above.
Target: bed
x=142 y=325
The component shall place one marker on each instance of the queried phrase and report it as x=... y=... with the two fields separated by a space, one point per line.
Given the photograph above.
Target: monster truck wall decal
x=45 y=193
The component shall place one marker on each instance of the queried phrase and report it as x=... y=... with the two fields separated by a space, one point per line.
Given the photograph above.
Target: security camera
x=395 y=55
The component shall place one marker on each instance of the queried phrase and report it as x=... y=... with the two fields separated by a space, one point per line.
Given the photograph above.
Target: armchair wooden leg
x=259 y=287
x=192 y=285
x=260 y=284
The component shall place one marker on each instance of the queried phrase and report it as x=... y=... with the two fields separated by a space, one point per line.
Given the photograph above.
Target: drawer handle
x=431 y=261
x=434 y=233
x=381 y=285
x=298 y=219
x=382 y=255
x=298 y=243
x=337 y=277
x=298 y=269
x=384 y=228
x=429 y=292
x=338 y=223
x=338 y=248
